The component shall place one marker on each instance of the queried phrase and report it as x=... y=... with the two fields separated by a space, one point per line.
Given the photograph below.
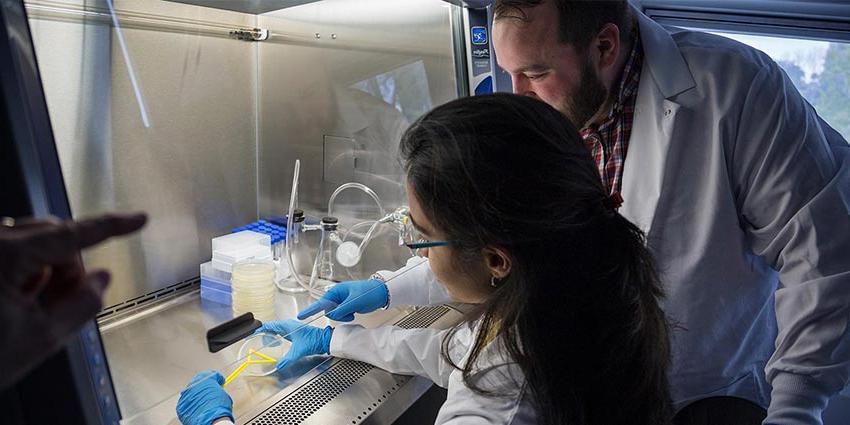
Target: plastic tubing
x=354 y=185
x=351 y=231
x=366 y=239
x=289 y=225
x=293 y=199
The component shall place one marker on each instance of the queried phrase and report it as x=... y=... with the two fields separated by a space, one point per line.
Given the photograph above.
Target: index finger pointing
x=92 y=231
x=56 y=242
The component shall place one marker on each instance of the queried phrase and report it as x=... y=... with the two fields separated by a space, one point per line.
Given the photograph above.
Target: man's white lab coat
x=744 y=193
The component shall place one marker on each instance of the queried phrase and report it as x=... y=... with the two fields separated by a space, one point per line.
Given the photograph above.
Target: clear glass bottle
x=298 y=221
x=322 y=277
x=287 y=283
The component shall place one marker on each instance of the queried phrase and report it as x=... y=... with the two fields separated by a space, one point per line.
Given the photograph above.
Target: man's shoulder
x=708 y=55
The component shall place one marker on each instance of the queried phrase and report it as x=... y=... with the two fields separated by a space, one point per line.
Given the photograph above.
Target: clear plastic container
x=215 y=295
x=215 y=284
x=246 y=245
x=215 y=278
x=253 y=290
x=240 y=240
x=225 y=259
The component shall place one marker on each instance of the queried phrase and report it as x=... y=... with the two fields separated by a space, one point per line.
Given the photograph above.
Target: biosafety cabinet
x=196 y=111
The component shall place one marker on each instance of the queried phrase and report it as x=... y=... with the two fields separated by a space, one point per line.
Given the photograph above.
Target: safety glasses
x=413 y=239
x=426 y=244
x=415 y=247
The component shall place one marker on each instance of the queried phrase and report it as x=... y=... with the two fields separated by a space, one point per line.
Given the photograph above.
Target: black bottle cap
x=329 y=220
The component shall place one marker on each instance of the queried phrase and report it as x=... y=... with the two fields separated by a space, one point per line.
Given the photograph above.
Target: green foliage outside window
x=828 y=91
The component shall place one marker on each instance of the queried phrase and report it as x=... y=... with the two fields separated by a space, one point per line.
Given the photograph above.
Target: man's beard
x=587 y=98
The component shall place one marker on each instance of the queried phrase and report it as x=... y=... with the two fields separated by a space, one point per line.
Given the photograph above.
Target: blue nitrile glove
x=347 y=298
x=306 y=341
x=204 y=400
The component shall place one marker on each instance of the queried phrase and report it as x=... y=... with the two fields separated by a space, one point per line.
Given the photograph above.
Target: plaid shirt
x=609 y=141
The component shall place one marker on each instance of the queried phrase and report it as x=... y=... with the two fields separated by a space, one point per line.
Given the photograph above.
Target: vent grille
x=298 y=406
x=146 y=300
x=311 y=397
x=423 y=317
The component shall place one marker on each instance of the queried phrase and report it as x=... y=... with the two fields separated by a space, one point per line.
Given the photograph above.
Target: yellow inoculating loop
x=267 y=358
x=235 y=373
x=263 y=359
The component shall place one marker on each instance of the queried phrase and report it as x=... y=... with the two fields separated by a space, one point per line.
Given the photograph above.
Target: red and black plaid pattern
x=609 y=141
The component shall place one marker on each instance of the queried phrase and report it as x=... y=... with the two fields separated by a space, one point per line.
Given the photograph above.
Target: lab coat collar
x=663 y=58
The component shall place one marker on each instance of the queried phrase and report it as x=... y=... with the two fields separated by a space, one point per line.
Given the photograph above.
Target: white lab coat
x=417 y=352
x=744 y=193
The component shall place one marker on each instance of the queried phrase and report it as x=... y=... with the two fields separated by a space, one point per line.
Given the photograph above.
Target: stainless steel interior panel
x=192 y=168
x=339 y=160
x=178 y=137
x=247 y=6
x=360 y=70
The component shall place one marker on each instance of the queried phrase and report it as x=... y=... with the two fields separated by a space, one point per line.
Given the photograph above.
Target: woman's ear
x=498 y=262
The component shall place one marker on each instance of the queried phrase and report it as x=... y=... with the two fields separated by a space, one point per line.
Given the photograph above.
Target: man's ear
x=605 y=47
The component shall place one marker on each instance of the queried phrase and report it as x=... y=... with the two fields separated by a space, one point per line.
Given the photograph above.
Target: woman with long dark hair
x=567 y=327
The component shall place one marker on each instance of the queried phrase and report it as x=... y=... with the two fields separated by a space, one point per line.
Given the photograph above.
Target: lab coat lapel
x=664 y=76
x=649 y=143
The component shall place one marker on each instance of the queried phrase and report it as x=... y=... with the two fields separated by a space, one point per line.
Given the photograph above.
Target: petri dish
x=268 y=345
x=253 y=270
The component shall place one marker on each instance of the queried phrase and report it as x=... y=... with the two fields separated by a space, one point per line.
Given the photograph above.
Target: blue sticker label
x=479 y=36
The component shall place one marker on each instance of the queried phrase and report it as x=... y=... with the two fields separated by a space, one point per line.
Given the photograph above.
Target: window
x=819 y=69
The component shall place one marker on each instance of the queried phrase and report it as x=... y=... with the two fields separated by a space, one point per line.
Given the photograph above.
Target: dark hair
x=579 y=309
x=578 y=20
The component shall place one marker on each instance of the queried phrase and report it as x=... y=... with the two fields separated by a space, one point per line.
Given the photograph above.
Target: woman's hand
x=306 y=340
x=346 y=298
x=204 y=400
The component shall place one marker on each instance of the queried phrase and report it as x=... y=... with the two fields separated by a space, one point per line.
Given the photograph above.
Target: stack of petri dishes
x=253 y=289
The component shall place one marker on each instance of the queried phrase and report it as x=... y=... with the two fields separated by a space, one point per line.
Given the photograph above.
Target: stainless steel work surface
x=345 y=391
x=153 y=354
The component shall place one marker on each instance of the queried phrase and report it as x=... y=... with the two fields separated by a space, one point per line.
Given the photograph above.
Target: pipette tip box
x=215 y=284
